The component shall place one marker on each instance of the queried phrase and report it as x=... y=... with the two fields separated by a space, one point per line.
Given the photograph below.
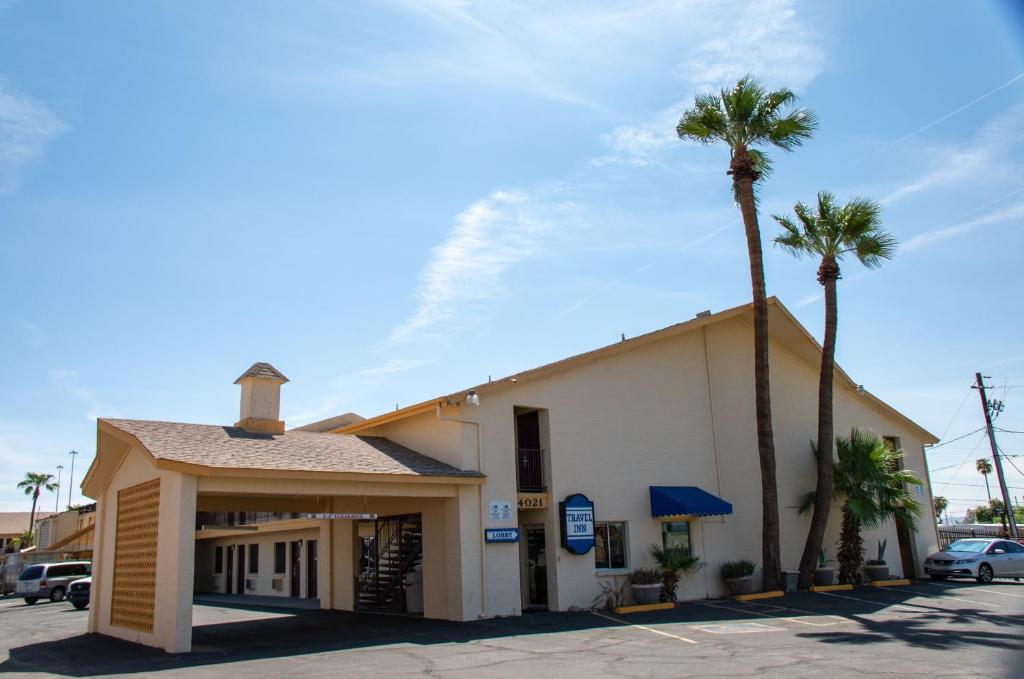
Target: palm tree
x=873 y=489
x=33 y=484
x=984 y=468
x=830 y=232
x=673 y=561
x=743 y=118
x=941 y=504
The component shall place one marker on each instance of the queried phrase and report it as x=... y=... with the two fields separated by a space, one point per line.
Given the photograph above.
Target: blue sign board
x=501 y=535
x=577 y=524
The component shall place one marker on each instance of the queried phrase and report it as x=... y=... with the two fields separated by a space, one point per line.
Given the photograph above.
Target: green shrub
x=645 y=576
x=737 y=569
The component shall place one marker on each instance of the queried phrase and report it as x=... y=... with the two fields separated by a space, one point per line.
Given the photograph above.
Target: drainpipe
x=480 y=500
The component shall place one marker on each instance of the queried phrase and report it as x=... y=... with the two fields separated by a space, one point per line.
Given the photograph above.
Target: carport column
x=172 y=624
x=97 y=603
x=342 y=558
x=463 y=531
x=325 y=562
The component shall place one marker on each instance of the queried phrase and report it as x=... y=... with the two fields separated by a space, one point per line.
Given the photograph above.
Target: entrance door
x=311 y=566
x=240 y=586
x=296 y=568
x=229 y=573
x=536 y=567
x=904 y=535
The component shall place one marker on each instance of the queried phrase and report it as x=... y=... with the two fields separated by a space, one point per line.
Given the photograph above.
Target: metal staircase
x=396 y=548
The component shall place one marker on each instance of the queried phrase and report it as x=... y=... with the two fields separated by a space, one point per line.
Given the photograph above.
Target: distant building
x=12 y=525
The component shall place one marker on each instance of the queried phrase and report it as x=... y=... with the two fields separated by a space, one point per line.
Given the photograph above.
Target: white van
x=50 y=580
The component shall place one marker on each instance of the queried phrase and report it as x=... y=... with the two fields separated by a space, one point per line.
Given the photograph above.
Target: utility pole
x=986 y=407
x=71 y=478
x=56 y=500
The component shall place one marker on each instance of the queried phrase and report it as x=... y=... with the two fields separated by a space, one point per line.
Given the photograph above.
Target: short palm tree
x=873 y=489
x=829 y=232
x=33 y=484
x=672 y=561
x=984 y=468
x=744 y=118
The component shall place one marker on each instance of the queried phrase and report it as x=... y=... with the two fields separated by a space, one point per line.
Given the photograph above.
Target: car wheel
x=57 y=594
x=80 y=604
x=31 y=600
x=985 y=574
x=938 y=578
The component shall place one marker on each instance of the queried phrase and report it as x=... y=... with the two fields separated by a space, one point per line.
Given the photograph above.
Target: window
x=254 y=559
x=279 y=557
x=676 y=534
x=893 y=442
x=218 y=559
x=610 y=547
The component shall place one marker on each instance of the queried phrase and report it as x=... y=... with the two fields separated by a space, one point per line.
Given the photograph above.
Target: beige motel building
x=451 y=508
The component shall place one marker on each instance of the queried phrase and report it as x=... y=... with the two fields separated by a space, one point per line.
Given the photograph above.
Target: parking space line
x=643 y=627
x=812 y=614
x=992 y=591
x=956 y=598
x=908 y=607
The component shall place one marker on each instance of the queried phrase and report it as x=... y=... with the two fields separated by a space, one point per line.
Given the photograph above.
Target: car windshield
x=976 y=546
x=31 y=573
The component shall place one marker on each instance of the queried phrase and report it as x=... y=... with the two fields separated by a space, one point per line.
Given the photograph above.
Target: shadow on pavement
x=930 y=625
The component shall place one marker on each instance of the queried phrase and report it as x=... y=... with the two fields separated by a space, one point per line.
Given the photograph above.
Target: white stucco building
x=414 y=495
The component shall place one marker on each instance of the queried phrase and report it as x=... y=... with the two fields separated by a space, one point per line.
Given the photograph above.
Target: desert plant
x=738 y=569
x=745 y=117
x=614 y=591
x=645 y=576
x=879 y=559
x=673 y=561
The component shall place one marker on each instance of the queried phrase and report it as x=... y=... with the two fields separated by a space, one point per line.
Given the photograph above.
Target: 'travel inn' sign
x=577 y=524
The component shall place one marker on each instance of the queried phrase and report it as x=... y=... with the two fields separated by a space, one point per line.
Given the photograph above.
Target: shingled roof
x=262 y=370
x=235 y=448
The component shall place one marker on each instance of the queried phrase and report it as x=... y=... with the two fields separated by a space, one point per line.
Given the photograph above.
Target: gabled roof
x=783 y=328
x=264 y=370
x=222 y=447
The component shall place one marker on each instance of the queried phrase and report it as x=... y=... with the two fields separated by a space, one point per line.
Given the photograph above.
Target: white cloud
x=467 y=269
x=68 y=381
x=25 y=127
x=1007 y=214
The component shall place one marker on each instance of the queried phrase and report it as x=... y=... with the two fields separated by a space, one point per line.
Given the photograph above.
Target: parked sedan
x=979 y=558
x=78 y=592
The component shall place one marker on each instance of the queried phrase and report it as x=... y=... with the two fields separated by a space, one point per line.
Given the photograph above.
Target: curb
x=831 y=588
x=642 y=608
x=759 y=595
x=888 y=583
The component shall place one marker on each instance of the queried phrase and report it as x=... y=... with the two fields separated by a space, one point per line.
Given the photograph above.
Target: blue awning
x=686 y=500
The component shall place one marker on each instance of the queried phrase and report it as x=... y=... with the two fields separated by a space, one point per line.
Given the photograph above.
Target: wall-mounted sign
x=577 y=523
x=342 y=515
x=533 y=501
x=501 y=535
x=501 y=510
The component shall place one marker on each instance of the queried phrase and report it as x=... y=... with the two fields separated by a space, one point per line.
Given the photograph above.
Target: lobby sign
x=577 y=523
x=501 y=535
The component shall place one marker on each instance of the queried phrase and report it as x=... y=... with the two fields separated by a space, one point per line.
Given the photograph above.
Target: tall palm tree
x=829 y=232
x=984 y=468
x=941 y=504
x=33 y=484
x=873 y=489
x=743 y=118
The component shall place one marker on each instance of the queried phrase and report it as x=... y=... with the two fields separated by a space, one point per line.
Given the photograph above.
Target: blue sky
x=394 y=200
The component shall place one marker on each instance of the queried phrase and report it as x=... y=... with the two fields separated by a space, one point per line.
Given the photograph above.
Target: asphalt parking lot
x=926 y=629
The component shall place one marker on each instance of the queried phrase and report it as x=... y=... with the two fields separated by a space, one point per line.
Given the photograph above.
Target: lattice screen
x=138 y=516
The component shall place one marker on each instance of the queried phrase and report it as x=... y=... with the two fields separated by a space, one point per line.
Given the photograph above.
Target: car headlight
x=967 y=560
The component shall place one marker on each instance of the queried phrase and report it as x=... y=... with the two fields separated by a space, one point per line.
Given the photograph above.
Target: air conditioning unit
x=277 y=584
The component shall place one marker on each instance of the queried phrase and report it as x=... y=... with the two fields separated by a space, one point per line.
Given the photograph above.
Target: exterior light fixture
x=860 y=388
x=472 y=399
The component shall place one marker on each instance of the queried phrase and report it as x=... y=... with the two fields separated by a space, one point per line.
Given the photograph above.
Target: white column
x=342 y=555
x=172 y=625
x=324 y=561
x=462 y=533
x=99 y=604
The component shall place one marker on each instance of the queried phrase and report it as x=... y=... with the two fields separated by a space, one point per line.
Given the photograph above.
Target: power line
x=939 y=445
x=961 y=407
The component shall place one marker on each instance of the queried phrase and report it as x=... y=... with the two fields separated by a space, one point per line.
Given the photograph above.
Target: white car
x=979 y=558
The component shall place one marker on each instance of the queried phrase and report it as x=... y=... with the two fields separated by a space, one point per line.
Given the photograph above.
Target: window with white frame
x=611 y=545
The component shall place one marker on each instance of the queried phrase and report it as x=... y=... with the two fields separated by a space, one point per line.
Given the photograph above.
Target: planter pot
x=873 y=573
x=646 y=594
x=825 y=576
x=743 y=585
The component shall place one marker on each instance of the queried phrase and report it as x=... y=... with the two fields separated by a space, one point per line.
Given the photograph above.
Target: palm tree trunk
x=743 y=178
x=987 y=490
x=823 y=495
x=851 y=550
x=32 y=515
